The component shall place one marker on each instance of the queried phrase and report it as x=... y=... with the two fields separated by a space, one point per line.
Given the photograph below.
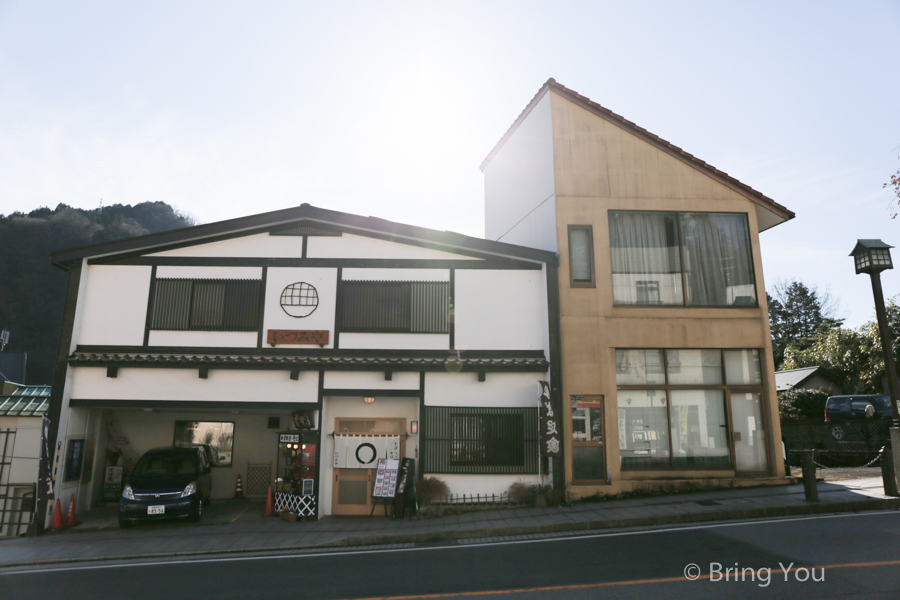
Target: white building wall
x=357 y=246
x=260 y=245
x=325 y=282
x=164 y=271
x=514 y=390
x=501 y=310
x=396 y=274
x=519 y=186
x=395 y=341
x=189 y=339
x=367 y=380
x=223 y=385
x=115 y=305
x=26 y=452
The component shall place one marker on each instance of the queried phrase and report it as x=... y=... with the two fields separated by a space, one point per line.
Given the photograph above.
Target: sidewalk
x=236 y=526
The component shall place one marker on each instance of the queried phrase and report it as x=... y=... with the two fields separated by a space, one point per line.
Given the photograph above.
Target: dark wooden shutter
x=395 y=306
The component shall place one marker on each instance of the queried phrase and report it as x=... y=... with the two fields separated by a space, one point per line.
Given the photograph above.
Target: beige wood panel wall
x=600 y=167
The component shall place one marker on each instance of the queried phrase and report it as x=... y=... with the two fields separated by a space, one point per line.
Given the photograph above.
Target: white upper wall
x=260 y=245
x=498 y=389
x=501 y=310
x=518 y=183
x=322 y=318
x=357 y=246
x=114 y=305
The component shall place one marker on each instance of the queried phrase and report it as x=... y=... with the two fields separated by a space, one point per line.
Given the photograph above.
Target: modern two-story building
x=667 y=369
x=300 y=345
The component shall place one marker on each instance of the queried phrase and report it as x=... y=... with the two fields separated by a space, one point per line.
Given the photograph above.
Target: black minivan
x=841 y=409
x=167 y=483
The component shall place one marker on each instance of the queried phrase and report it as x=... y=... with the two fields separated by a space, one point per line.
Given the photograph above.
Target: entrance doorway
x=352 y=494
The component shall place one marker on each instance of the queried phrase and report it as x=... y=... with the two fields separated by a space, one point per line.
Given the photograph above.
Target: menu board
x=386 y=478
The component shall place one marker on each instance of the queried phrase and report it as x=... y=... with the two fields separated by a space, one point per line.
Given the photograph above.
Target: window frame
x=582 y=284
x=686 y=303
x=726 y=387
x=177 y=443
x=410 y=313
x=154 y=298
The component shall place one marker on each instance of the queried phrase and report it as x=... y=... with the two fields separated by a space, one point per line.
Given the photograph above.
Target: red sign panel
x=297 y=336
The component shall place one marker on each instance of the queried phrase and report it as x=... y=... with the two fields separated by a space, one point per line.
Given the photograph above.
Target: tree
x=853 y=356
x=797 y=313
x=894 y=183
x=33 y=291
x=802 y=404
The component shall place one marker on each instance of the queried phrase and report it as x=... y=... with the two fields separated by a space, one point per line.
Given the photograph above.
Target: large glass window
x=673 y=409
x=693 y=259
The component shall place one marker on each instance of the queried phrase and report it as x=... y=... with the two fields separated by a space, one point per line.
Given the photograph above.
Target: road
x=847 y=556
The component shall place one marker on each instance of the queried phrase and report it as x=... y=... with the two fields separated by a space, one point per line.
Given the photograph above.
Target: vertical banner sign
x=551 y=432
x=45 y=488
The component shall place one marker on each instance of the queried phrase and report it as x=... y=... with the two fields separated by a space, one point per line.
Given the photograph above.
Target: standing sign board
x=112 y=483
x=551 y=432
x=386 y=478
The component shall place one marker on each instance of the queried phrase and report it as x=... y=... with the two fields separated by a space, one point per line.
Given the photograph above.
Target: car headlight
x=189 y=490
x=128 y=493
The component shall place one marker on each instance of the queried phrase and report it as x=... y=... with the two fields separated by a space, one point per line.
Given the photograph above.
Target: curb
x=458 y=534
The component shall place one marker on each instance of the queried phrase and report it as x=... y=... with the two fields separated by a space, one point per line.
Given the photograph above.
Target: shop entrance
x=352 y=494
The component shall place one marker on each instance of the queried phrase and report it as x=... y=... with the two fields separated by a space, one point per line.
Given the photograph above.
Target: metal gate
x=16 y=499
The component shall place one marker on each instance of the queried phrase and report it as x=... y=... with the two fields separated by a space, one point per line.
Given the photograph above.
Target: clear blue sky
x=225 y=109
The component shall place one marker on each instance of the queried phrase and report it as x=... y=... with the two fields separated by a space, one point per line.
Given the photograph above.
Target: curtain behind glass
x=580 y=254
x=645 y=254
x=717 y=259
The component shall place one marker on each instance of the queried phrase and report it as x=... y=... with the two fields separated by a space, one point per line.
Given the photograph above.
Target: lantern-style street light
x=873 y=257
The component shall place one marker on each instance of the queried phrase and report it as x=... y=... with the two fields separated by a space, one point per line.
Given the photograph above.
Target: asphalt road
x=848 y=556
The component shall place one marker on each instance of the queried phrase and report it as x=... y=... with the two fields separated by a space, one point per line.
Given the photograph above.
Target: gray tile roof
x=449 y=362
x=30 y=401
x=785 y=380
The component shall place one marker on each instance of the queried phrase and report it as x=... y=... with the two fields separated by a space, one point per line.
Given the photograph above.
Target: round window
x=299 y=299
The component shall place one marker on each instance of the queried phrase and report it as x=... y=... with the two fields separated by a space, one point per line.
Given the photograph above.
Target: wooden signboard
x=311 y=337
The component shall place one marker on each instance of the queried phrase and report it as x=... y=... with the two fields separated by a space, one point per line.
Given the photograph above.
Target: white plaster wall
x=254 y=442
x=209 y=339
x=260 y=245
x=498 y=390
x=209 y=272
x=115 y=305
x=26 y=452
x=364 y=380
x=398 y=408
x=501 y=310
x=325 y=282
x=482 y=484
x=537 y=229
x=396 y=274
x=357 y=246
x=184 y=384
x=395 y=341
x=519 y=179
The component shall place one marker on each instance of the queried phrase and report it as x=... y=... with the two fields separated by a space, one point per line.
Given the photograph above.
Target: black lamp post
x=873 y=257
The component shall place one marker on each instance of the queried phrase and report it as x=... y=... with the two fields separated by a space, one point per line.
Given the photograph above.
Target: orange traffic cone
x=270 y=505
x=57 y=517
x=70 y=517
x=238 y=490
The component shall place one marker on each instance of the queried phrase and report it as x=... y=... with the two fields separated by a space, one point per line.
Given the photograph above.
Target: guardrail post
x=888 y=476
x=809 y=479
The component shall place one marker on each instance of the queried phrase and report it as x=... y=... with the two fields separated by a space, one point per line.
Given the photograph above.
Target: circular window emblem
x=299 y=299
x=366 y=450
x=837 y=433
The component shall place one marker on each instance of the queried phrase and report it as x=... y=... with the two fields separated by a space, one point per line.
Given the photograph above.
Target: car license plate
x=156 y=510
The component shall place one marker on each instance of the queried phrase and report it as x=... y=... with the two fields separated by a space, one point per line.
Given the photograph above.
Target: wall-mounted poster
x=74 y=460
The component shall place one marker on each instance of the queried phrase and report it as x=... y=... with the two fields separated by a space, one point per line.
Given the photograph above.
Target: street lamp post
x=873 y=257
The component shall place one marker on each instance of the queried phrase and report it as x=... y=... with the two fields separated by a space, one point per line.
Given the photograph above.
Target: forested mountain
x=32 y=291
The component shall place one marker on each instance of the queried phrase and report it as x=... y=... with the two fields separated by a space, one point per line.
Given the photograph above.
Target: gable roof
x=604 y=113
x=303 y=215
x=785 y=380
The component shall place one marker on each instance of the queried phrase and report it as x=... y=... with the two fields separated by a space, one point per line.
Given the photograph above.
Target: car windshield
x=167 y=464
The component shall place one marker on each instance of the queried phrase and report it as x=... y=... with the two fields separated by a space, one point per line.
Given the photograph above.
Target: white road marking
x=187 y=559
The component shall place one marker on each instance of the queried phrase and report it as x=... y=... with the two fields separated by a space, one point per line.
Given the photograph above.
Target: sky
x=225 y=109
